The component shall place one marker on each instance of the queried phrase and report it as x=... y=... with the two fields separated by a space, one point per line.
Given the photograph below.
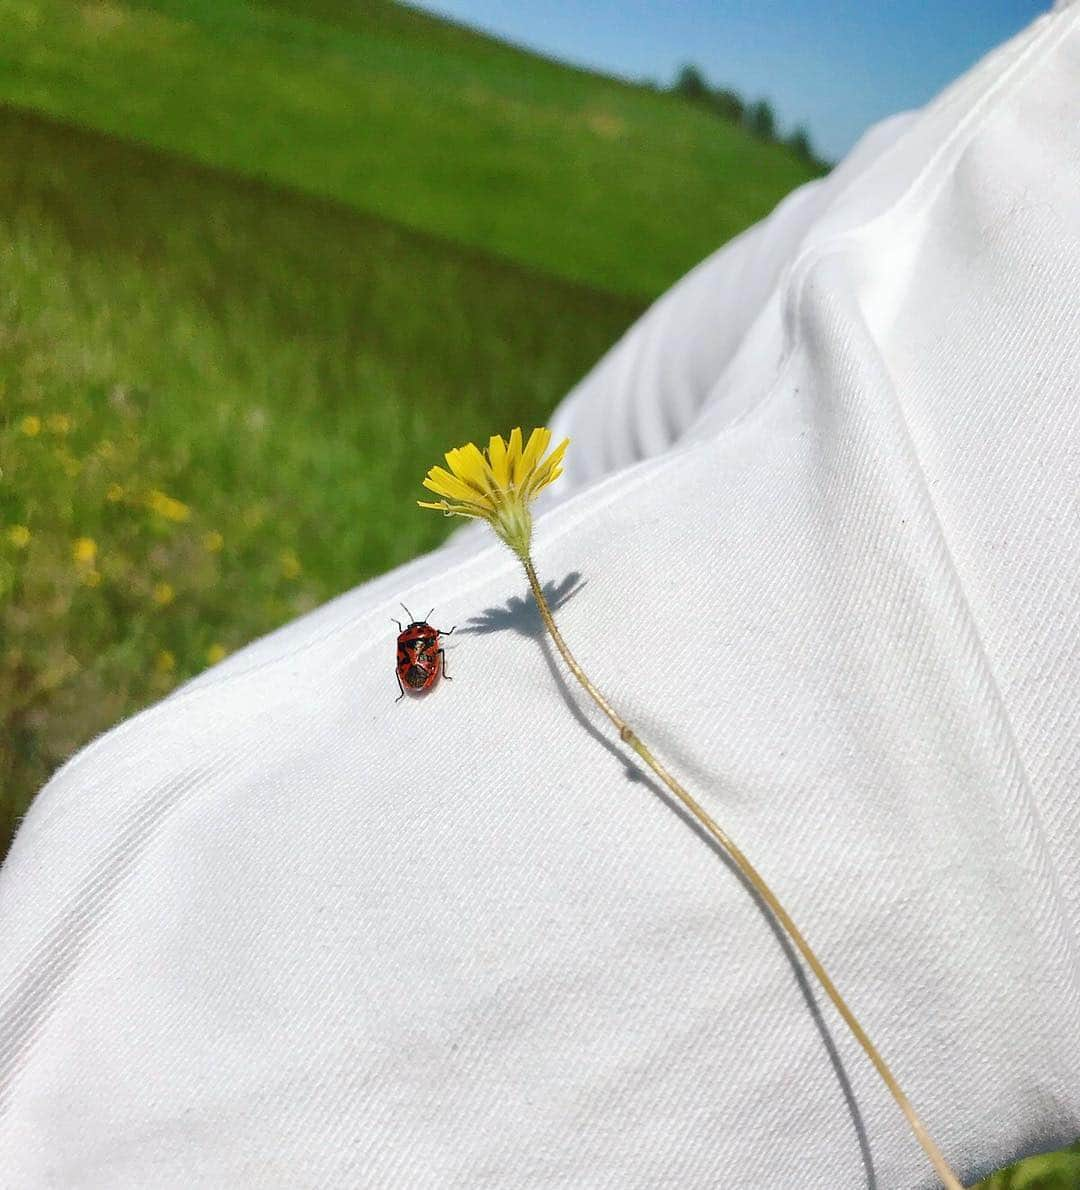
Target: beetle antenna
x=408 y=613
x=427 y=618
x=398 y=623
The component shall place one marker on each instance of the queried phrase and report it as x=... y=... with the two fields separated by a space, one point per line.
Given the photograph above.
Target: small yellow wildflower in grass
x=163 y=594
x=167 y=506
x=106 y=449
x=84 y=551
x=31 y=425
x=69 y=462
x=58 y=423
x=213 y=542
x=497 y=484
x=58 y=671
x=165 y=661
x=215 y=653
x=290 y=564
x=19 y=536
x=114 y=493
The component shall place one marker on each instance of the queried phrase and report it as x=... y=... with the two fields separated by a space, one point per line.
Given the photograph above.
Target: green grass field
x=407 y=117
x=262 y=263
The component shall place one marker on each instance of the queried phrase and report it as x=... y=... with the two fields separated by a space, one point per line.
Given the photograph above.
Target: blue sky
x=834 y=65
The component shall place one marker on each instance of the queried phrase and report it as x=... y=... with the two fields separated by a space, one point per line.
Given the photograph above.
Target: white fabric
x=821 y=535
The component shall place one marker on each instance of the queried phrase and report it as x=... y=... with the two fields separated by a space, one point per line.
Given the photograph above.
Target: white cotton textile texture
x=821 y=540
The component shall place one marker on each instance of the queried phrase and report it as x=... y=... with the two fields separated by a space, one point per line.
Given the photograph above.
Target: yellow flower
x=19 y=536
x=213 y=541
x=167 y=506
x=114 y=493
x=290 y=564
x=163 y=594
x=84 y=551
x=215 y=653
x=58 y=423
x=31 y=425
x=497 y=485
x=165 y=662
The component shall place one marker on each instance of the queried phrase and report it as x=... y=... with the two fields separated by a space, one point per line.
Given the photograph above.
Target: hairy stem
x=630 y=737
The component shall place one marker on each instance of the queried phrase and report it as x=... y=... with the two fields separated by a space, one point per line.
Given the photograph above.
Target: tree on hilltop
x=727 y=103
x=690 y=84
x=760 y=119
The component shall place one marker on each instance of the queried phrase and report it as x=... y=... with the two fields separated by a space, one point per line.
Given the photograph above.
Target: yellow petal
x=534 y=449
x=541 y=479
x=513 y=453
x=548 y=471
x=456 y=462
x=442 y=483
x=497 y=455
x=469 y=464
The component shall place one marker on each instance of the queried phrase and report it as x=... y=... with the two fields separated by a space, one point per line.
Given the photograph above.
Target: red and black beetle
x=420 y=656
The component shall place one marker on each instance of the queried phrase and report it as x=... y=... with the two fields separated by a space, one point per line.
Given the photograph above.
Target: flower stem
x=629 y=736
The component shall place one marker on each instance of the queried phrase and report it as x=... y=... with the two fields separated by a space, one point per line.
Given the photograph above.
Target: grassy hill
x=404 y=116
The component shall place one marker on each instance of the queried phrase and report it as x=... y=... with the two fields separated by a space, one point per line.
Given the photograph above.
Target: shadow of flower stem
x=709 y=824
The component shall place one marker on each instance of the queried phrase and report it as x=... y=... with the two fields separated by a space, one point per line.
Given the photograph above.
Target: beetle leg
x=442 y=658
x=401 y=688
